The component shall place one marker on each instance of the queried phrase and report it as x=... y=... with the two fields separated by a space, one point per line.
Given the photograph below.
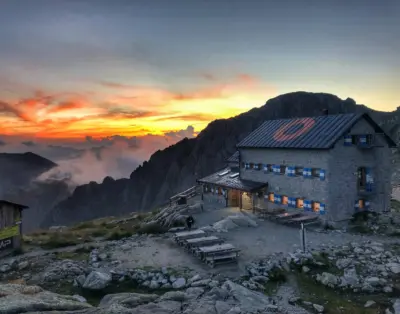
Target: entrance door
x=234 y=198
x=247 y=201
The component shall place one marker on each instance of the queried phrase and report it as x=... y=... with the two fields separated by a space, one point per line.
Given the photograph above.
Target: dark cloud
x=28 y=143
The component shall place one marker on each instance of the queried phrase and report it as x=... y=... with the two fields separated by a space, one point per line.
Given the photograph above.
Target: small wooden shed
x=10 y=226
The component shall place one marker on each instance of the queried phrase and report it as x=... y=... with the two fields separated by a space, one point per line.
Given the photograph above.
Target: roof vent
x=223 y=173
x=234 y=175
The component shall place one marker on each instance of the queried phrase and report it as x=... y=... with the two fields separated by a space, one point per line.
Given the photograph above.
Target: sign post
x=303 y=237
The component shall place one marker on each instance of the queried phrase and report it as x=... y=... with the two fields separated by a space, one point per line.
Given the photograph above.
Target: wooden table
x=218 y=254
x=288 y=215
x=181 y=236
x=195 y=243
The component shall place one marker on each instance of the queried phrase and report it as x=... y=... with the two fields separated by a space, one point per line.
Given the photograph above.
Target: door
x=234 y=196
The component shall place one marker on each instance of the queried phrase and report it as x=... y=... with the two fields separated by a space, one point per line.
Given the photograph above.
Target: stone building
x=10 y=226
x=328 y=166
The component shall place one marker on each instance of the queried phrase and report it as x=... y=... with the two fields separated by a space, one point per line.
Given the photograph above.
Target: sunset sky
x=76 y=72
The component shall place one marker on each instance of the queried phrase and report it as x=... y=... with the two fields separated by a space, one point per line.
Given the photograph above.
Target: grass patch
x=87 y=231
x=337 y=302
x=76 y=256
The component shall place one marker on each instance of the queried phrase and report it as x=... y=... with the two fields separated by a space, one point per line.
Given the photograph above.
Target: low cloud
x=28 y=143
x=93 y=159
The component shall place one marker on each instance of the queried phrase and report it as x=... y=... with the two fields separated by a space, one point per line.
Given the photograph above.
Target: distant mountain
x=176 y=168
x=17 y=175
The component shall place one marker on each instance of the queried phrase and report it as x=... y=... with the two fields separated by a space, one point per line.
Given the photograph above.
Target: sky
x=128 y=77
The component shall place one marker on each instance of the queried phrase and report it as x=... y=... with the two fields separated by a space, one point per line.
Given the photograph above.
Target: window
x=282 y=169
x=257 y=166
x=284 y=200
x=365 y=139
x=315 y=206
x=251 y=165
x=362 y=178
x=315 y=172
x=298 y=171
x=299 y=203
x=271 y=197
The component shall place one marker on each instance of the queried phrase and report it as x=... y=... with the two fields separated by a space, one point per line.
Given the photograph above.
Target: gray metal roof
x=320 y=132
x=234 y=157
x=226 y=181
x=4 y=202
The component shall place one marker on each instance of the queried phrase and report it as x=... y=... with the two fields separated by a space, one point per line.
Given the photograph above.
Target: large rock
x=22 y=299
x=245 y=298
x=97 y=280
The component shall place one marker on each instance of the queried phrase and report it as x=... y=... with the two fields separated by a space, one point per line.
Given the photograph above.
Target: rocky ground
x=340 y=272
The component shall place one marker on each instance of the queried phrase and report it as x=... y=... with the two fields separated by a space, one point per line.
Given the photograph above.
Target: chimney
x=325 y=112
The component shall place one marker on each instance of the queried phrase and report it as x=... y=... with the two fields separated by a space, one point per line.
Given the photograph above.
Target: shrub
x=118 y=235
x=59 y=240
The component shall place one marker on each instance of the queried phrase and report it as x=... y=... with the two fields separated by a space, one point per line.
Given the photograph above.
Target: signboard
x=6 y=244
x=9 y=232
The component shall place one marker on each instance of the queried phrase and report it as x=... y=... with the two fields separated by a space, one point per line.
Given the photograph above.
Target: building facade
x=10 y=226
x=330 y=166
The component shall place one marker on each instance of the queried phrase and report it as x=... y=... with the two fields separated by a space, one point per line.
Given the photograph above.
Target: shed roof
x=320 y=132
x=4 y=202
x=234 y=157
x=223 y=178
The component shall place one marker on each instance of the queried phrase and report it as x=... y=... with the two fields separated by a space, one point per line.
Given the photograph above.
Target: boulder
x=23 y=299
x=97 y=280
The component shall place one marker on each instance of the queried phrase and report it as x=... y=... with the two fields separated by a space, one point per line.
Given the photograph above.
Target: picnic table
x=192 y=244
x=185 y=235
x=288 y=215
x=218 y=254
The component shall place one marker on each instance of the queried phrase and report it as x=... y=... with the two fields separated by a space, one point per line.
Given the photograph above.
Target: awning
x=229 y=179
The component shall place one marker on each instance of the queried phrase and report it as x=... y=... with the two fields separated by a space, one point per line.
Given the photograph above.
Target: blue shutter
x=369 y=180
x=276 y=199
x=367 y=204
x=265 y=167
x=356 y=206
x=322 y=174
x=289 y=171
x=362 y=140
x=305 y=172
x=305 y=205
x=347 y=140
x=276 y=169
x=322 y=208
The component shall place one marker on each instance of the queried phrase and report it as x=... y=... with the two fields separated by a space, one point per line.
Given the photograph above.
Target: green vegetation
x=107 y=228
x=336 y=302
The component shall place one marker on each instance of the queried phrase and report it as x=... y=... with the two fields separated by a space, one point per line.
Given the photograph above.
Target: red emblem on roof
x=281 y=134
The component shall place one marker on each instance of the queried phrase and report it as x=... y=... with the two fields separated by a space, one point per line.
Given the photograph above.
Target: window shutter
x=265 y=167
x=305 y=172
x=367 y=204
x=362 y=140
x=347 y=140
x=322 y=208
x=277 y=199
x=369 y=180
x=356 y=205
x=322 y=175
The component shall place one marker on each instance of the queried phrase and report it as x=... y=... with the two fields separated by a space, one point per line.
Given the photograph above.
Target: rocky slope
x=17 y=175
x=177 y=167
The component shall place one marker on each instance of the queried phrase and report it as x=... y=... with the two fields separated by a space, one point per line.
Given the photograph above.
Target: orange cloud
x=130 y=110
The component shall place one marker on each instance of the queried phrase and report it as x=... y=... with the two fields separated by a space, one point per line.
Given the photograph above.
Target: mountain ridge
x=177 y=167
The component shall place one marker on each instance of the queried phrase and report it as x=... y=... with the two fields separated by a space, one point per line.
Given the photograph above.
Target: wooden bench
x=305 y=218
x=193 y=244
x=219 y=249
x=219 y=259
x=185 y=235
x=287 y=215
